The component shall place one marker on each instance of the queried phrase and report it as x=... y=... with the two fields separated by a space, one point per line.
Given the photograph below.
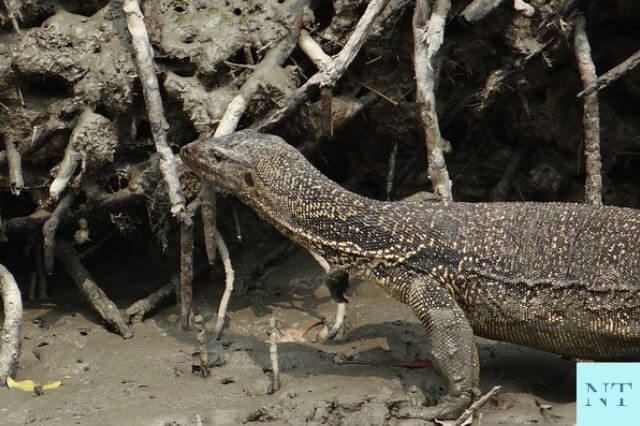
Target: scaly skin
x=562 y=278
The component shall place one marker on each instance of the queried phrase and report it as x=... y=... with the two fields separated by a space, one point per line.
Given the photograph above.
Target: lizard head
x=243 y=163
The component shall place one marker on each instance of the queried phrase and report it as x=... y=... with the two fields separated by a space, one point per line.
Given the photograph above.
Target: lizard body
x=552 y=276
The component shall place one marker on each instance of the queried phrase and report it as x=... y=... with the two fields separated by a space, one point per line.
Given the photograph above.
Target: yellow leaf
x=30 y=385
x=23 y=385
x=51 y=385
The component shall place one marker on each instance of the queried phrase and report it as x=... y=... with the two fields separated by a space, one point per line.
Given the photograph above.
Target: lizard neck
x=308 y=207
x=323 y=217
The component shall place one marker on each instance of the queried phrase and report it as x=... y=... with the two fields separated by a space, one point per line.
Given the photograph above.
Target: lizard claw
x=330 y=333
x=450 y=407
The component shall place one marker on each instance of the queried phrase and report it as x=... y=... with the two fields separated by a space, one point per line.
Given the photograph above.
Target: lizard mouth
x=207 y=165
x=197 y=160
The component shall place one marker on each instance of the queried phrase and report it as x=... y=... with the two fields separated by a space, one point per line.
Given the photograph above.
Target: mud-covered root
x=98 y=300
x=49 y=230
x=138 y=310
x=92 y=142
x=14 y=160
x=10 y=334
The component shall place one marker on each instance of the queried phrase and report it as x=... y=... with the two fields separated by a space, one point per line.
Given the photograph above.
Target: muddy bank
x=148 y=379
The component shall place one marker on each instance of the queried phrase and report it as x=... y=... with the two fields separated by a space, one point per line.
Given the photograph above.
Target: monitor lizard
x=559 y=277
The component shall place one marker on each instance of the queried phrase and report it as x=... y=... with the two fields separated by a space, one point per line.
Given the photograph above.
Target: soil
x=148 y=379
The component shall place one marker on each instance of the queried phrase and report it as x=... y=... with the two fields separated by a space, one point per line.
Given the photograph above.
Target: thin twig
x=273 y=353
x=49 y=230
x=591 y=115
x=208 y=211
x=236 y=224
x=228 y=283
x=377 y=92
x=391 y=169
x=10 y=333
x=233 y=64
x=186 y=264
x=98 y=300
x=186 y=273
x=428 y=35
x=613 y=74
x=475 y=406
x=153 y=101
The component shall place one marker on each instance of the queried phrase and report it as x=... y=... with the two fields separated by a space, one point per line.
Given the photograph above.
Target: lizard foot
x=330 y=333
x=449 y=408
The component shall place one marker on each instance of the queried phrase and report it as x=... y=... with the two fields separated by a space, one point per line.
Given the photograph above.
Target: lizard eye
x=248 y=179
x=217 y=157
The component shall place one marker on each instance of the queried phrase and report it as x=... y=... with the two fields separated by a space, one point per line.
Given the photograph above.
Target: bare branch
x=476 y=406
x=613 y=74
x=428 y=36
x=153 y=101
x=591 y=115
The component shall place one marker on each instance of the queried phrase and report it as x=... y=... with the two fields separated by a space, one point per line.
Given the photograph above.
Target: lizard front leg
x=452 y=348
x=337 y=282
